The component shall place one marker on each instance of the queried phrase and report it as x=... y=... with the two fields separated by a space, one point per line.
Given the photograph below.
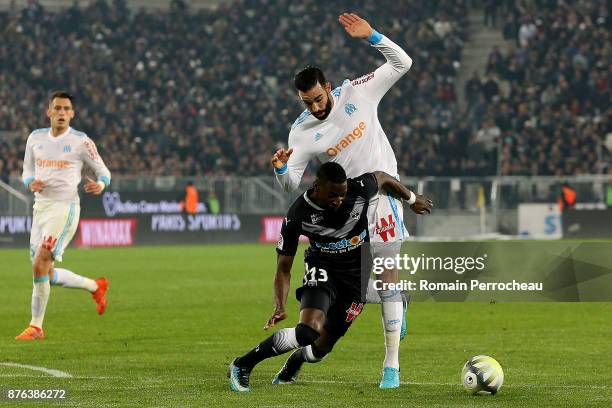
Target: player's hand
x=355 y=26
x=36 y=186
x=93 y=187
x=280 y=158
x=276 y=317
x=422 y=205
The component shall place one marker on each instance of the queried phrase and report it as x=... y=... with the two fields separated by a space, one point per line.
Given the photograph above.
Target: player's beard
x=328 y=107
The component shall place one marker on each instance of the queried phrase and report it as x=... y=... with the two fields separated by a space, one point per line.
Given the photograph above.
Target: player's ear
x=328 y=87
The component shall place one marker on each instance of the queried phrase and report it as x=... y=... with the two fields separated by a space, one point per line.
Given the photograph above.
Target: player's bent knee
x=322 y=348
x=43 y=255
x=43 y=258
x=320 y=353
x=305 y=334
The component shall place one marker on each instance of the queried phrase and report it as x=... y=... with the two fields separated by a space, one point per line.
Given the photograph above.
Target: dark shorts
x=338 y=293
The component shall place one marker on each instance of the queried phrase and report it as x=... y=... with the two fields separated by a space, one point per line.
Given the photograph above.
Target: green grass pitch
x=178 y=315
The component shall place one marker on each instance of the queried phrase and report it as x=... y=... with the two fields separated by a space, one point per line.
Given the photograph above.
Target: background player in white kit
x=342 y=126
x=52 y=166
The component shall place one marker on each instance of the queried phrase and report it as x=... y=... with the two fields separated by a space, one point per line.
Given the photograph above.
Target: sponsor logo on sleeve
x=363 y=79
x=91 y=150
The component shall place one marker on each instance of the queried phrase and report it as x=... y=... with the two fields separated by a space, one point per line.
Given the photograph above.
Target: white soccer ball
x=482 y=375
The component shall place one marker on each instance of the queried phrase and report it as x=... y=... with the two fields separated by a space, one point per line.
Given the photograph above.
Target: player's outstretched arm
x=289 y=165
x=287 y=178
x=282 y=282
x=355 y=26
x=280 y=158
x=377 y=83
x=418 y=203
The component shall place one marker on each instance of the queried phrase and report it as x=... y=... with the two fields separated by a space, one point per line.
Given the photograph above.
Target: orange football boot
x=31 y=333
x=100 y=295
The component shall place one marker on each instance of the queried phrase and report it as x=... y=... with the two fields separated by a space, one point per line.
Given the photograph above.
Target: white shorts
x=56 y=219
x=386 y=219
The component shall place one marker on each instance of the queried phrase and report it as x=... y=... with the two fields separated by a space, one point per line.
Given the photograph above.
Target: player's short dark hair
x=308 y=78
x=331 y=172
x=61 y=94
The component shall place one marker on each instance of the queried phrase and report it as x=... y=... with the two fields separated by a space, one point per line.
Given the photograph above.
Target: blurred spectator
x=473 y=88
x=527 y=32
x=495 y=63
x=214 y=207
x=490 y=12
x=567 y=197
x=4 y=176
x=189 y=201
x=490 y=88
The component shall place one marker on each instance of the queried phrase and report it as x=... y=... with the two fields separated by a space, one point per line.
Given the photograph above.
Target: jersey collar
x=312 y=204
x=58 y=137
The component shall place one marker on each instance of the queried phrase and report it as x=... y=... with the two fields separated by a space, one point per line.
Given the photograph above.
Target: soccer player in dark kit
x=333 y=215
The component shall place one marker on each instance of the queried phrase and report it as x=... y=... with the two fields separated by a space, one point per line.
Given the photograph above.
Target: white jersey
x=58 y=161
x=351 y=135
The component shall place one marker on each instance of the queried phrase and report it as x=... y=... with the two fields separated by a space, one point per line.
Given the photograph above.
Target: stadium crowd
x=182 y=92
x=553 y=110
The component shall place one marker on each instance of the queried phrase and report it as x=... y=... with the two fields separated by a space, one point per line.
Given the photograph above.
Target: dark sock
x=295 y=361
x=264 y=350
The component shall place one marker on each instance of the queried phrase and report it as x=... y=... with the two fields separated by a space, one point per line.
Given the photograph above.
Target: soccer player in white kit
x=342 y=126
x=54 y=158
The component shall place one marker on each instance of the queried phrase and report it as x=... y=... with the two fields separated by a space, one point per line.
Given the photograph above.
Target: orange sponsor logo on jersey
x=54 y=164
x=356 y=134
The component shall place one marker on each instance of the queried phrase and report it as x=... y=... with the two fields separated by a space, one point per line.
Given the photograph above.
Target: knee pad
x=305 y=334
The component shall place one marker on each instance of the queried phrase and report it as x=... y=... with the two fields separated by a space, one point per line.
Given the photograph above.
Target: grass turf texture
x=178 y=315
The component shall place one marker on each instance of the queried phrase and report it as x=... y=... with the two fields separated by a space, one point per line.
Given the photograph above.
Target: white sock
x=372 y=295
x=392 y=320
x=392 y=341
x=40 y=297
x=69 y=279
x=285 y=340
x=309 y=355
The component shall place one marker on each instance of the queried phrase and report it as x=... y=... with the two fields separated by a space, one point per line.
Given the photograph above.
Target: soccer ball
x=482 y=375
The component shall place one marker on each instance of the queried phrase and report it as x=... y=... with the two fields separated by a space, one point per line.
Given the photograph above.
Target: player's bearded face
x=318 y=101
x=324 y=113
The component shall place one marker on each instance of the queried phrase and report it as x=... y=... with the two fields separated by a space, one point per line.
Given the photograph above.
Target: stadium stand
x=198 y=92
x=554 y=115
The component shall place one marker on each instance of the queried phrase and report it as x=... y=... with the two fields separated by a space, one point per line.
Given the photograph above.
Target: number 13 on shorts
x=314 y=275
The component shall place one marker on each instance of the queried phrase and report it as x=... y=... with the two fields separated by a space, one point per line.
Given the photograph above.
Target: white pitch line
x=2 y=375
x=50 y=371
